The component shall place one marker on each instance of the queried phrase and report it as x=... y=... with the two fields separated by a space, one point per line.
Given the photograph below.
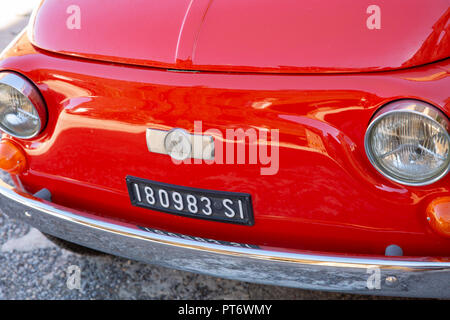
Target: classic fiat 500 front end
x=304 y=145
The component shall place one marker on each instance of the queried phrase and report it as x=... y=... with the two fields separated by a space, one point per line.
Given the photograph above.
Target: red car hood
x=243 y=35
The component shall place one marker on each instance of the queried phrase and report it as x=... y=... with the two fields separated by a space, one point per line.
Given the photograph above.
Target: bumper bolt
x=391 y=281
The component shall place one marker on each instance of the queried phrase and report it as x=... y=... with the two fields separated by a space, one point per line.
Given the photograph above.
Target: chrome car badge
x=180 y=144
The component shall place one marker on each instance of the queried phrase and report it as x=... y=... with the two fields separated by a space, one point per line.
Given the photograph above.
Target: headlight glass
x=21 y=107
x=408 y=142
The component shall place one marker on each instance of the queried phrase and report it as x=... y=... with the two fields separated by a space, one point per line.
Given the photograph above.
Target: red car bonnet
x=261 y=36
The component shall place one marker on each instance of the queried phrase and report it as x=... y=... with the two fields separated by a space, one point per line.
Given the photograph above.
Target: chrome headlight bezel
x=420 y=108
x=29 y=92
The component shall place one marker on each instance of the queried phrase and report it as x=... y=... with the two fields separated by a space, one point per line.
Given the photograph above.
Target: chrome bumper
x=409 y=277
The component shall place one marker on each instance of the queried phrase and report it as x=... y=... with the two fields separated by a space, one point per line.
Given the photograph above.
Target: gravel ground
x=34 y=268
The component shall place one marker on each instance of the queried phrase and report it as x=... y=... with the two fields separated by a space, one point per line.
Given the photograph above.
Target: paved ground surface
x=34 y=268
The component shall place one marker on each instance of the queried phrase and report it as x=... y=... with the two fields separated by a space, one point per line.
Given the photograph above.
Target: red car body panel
x=326 y=195
x=243 y=36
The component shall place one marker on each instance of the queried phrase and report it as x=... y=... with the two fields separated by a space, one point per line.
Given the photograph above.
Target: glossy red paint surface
x=257 y=36
x=325 y=197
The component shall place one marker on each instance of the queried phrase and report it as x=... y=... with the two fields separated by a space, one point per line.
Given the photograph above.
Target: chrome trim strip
x=421 y=277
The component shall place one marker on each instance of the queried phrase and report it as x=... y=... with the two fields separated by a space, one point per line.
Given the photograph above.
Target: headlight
x=22 y=110
x=408 y=142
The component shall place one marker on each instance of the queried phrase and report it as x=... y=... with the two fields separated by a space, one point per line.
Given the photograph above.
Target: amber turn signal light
x=12 y=158
x=438 y=215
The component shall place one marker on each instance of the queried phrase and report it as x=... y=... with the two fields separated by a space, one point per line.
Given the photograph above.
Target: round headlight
x=408 y=142
x=22 y=110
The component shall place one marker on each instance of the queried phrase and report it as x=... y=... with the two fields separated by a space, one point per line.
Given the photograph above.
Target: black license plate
x=231 y=207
